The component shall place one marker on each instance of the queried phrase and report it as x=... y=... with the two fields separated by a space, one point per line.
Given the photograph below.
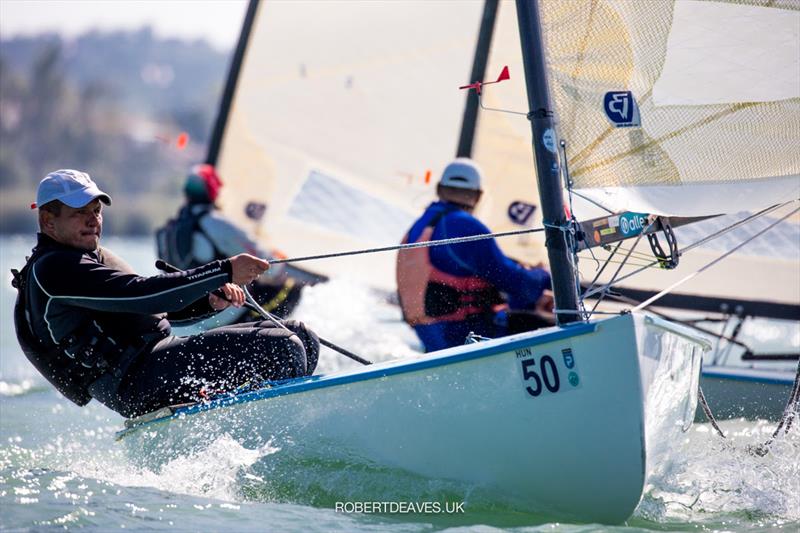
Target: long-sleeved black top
x=69 y=287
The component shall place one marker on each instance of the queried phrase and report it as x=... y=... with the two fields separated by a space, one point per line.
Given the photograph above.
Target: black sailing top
x=68 y=287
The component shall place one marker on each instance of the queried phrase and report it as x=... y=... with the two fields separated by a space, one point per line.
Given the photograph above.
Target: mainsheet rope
x=424 y=244
x=601 y=289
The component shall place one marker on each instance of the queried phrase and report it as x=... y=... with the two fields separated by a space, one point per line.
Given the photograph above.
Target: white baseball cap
x=462 y=173
x=72 y=187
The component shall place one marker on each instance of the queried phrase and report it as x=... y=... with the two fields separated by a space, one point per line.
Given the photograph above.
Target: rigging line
x=790 y=412
x=619 y=268
x=594 y=202
x=635 y=255
x=608 y=261
x=707 y=410
x=254 y=305
x=605 y=264
x=693 y=245
x=737 y=224
x=690 y=323
x=424 y=244
x=712 y=263
x=573 y=224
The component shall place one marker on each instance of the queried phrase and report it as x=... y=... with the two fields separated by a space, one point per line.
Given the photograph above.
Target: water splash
x=711 y=477
x=17 y=389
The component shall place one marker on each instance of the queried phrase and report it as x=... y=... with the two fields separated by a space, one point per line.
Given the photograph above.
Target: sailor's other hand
x=234 y=295
x=545 y=303
x=246 y=268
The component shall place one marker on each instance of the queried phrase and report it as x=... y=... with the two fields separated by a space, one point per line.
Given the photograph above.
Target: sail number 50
x=546 y=375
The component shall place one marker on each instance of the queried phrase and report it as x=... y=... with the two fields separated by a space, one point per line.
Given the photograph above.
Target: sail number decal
x=621 y=109
x=547 y=372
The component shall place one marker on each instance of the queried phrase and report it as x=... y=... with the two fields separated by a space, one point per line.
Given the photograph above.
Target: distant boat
x=751 y=393
x=344 y=125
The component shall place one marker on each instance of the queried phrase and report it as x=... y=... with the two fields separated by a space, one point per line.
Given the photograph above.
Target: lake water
x=60 y=467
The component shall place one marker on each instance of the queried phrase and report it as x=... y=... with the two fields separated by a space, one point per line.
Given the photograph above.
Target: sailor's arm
x=83 y=282
x=524 y=286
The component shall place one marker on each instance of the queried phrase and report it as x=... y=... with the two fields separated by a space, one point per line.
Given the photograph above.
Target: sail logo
x=255 y=210
x=520 y=212
x=621 y=109
x=569 y=359
x=632 y=223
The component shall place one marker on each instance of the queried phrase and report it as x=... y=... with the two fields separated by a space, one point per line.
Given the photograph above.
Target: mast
x=230 y=84
x=465 y=141
x=565 y=287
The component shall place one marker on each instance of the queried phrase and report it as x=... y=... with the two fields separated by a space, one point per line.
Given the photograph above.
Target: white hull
x=736 y=392
x=465 y=415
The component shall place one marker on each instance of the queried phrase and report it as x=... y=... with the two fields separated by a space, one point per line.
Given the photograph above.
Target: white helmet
x=462 y=173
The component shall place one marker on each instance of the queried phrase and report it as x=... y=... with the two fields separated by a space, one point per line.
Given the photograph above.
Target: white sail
x=335 y=134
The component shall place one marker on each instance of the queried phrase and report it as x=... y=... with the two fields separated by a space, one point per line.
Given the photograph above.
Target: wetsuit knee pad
x=310 y=343
x=285 y=351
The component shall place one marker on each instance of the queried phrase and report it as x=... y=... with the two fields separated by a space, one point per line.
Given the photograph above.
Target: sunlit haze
x=218 y=21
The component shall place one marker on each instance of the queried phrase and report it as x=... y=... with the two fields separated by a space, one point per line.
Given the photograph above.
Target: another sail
x=329 y=139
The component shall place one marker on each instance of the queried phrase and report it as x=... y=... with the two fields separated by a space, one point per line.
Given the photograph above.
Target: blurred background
x=127 y=91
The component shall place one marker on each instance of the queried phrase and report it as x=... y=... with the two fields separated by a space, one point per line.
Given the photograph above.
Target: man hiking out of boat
x=95 y=329
x=447 y=292
x=200 y=233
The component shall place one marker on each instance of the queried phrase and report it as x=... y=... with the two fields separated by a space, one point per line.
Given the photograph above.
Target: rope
x=253 y=304
x=733 y=226
x=790 y=412
x=707 y=411
x=712 y=263
x=424 y=244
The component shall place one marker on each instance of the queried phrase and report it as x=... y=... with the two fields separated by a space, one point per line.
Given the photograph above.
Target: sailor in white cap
x=96 y=329
x=447 y=292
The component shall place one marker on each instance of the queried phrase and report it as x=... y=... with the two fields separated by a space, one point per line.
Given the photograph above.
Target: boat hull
x=738 y=392
x=554 y=422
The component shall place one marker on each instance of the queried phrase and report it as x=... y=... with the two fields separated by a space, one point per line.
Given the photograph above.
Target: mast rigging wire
x=424 y=244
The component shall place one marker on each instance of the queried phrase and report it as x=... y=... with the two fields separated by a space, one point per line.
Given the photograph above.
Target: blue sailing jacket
x=521 y=286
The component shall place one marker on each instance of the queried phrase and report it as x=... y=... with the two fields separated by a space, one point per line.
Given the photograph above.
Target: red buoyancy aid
x=428 y=295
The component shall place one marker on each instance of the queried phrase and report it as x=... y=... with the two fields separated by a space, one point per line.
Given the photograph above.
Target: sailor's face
x=79 y=227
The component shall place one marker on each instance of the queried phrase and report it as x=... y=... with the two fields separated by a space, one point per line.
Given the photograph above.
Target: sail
x=329 y=140
x=588 y=43
x=340 y=111
x=679 y=108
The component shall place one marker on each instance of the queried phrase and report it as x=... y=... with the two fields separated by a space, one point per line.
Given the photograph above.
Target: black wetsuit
x=138 y=366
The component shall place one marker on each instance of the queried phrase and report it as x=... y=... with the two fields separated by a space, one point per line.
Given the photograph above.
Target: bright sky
x=219 y=21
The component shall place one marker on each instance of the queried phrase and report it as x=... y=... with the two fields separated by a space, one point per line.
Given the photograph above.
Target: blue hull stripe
x=742 y=377
x=296 y=385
